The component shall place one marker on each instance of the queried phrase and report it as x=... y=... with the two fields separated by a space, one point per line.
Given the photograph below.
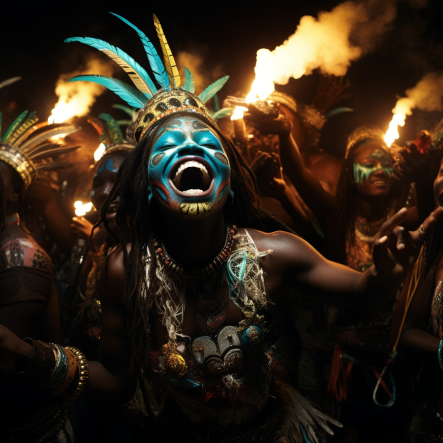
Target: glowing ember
x=99 y=152
x=238 y=113
x=81 y=209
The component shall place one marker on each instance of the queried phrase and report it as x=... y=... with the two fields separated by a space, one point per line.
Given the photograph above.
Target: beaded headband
x=110 y=134
x=154 y=103
x=365 y=133
x=23 y=146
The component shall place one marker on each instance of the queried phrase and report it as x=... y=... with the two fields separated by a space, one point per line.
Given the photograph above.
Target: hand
x=396 y=249
x=80 y=228
x=267 y=125
x=14 y=352
x=267 y=169
x=412 y=165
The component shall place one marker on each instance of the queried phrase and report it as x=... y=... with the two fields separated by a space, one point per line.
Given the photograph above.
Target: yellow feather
x=171 y=67
x=136 y=79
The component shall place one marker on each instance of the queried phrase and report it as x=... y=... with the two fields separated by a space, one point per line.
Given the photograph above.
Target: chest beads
x=219 y=350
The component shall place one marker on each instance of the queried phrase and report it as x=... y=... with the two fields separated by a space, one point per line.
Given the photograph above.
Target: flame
x=99 y=152
x=81 y=209
x=392 y=133
x=76 y=98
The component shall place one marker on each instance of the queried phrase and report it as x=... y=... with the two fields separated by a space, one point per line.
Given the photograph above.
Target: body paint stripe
x=156 y=184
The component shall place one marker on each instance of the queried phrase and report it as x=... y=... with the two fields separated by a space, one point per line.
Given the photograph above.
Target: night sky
x=226 y=34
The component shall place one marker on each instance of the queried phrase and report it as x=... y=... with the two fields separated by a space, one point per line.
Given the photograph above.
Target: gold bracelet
x=83 y=370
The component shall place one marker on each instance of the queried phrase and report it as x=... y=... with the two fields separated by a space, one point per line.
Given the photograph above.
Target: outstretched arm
x=395 y=252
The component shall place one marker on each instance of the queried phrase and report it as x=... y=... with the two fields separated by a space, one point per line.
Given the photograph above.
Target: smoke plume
x=76 y=98
x=330 y=42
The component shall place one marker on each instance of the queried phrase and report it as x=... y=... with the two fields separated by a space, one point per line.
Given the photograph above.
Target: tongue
x=192 y=178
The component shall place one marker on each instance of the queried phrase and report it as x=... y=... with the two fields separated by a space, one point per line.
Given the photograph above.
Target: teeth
x=191 y=164
x=193 y=191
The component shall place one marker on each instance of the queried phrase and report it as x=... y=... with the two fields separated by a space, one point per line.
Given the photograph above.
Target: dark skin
x=104 y=178
x=423 y=343
x=25 y=319
x=372 y=198
x=196 y=241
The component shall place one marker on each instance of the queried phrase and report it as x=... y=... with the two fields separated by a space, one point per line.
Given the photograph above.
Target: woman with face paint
x=365 y=199
x=194 y=298
x=29 y=304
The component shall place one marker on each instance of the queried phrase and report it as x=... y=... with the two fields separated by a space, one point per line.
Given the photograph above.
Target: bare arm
x=395 y=252
x=310 y=189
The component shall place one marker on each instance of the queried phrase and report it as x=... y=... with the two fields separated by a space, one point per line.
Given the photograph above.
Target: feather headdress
x=155 y=103
x=25 y=146
x=110 y=134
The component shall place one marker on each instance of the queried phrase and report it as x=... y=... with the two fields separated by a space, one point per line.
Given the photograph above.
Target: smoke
x=194 y=61
x=330 y=42
x=76 y=98
x=427 y=96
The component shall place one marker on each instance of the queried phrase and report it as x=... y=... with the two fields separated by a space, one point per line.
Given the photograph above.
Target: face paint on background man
x=189 y=172
x=363 y=172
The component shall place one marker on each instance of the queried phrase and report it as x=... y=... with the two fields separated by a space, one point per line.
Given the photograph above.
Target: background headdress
x=154 y=103
x=110 y=134
x=364 y=134
x=27 y=148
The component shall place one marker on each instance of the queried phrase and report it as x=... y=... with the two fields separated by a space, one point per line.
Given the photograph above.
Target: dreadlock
x=139 y=222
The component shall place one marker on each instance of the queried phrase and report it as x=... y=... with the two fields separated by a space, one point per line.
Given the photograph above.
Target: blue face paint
x=189 y=171
x=378 y=161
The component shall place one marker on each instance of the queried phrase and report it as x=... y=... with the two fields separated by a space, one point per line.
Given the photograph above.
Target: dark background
x=227 y=33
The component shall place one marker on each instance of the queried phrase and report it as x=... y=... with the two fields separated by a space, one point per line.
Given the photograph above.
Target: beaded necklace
x=201 y=272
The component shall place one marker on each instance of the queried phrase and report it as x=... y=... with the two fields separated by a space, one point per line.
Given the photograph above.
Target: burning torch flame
x=99 y=152
x=392 y=133
x=81 y=209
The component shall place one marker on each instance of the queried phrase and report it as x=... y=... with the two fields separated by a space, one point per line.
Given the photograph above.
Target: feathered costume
x=295 y=419
x=26 y=146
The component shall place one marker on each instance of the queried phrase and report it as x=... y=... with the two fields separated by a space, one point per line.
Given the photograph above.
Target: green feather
x=211 y=90
x=225 y=112
x=14 y=126
x=189 y=81
x=154 y=59
x=114 y=130
x=124 y=122
x=133 y=97
x=21 y=131
x=137 y=73
x=126 y=109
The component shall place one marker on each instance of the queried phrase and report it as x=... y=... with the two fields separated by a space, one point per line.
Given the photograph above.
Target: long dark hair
x=345 y=211
x=138 y=224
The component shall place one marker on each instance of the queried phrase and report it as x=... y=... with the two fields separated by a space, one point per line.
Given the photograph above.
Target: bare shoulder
x=286 y=251
x=25 y=251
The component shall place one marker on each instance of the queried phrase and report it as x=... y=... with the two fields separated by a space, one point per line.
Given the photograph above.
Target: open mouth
x=192 y=177
x=380 y=182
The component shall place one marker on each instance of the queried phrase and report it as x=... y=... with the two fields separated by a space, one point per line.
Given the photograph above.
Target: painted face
x=104 y=178
x=189 y=172
x=372 y=170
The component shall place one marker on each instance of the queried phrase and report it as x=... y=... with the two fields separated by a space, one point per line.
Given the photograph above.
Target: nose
x=191 y=148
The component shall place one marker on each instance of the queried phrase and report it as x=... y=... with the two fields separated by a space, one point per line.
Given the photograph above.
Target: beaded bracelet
x=440 y=358
x=83 y=373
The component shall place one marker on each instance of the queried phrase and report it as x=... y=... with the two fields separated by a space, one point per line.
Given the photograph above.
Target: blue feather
x=337 y=111
x=305 y=435
x=189 y=81
x=211 y=90
x=133 y=97
x=224 y=112
x=102 y=45
x=157 y=66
